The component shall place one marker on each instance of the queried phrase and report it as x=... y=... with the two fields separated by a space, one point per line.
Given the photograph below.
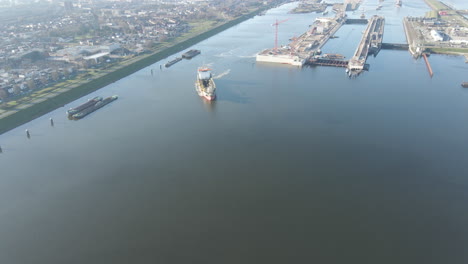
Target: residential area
x=59 y=40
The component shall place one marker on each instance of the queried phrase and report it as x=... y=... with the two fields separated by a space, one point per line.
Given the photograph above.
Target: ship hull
x=204 y=94
x=172 y=62
x=205 y=85
x=283 y=59
x=190 y=54
x=95 y=107
x=82 y=107
x=209 y=98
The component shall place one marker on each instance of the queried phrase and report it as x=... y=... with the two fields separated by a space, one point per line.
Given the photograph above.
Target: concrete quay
x=303 y=49
x=412 y=38
x=371 y=43
x=300 y=49
x=323 y=28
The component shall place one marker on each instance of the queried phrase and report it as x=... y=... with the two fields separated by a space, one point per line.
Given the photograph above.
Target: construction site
x=443 y=30
x=306 y=49
x=301 y=48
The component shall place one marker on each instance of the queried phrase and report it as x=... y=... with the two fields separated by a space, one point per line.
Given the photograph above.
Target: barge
x=95 y=107
x=81 y=107
x=190 y=54
x=172 y=62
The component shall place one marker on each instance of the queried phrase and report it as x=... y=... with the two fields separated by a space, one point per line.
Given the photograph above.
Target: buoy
x=51 y=122
x=27 y=134
x=151 y=72
x=1 y=149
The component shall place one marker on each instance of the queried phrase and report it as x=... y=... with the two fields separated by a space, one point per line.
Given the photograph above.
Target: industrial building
x=436 y=35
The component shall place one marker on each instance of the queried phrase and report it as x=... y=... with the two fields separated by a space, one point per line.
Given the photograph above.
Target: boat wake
x=218 y=76
x=225 y=54
x=234 y=53
x=248 y=56
x=231 y=55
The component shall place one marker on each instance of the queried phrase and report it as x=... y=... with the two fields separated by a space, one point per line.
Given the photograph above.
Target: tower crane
x=276 y=33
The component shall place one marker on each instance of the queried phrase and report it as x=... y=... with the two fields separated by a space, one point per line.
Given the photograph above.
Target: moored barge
x=81 y=107
x=190 y=54
x=172 y=62
x=95 y=107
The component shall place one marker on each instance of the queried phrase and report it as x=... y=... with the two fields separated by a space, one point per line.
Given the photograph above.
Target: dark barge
x=82 y=107
x=95 y=107
x=172 y=62
x=190 y=54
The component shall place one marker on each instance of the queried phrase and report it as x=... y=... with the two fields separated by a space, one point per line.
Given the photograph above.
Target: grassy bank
x=25 y=115
x=455 y=51
x=436 y=5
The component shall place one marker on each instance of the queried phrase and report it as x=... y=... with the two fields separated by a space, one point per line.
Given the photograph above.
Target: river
x=288 y=165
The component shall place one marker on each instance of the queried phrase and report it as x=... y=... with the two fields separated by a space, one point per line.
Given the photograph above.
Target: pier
x=300 y=49
x=371 y=43
x=428 y=65
x=412 y=37
x=305 y=49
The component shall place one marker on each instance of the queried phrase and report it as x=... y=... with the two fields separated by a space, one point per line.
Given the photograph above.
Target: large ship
x=95 y=107
x=79 y=108
x=205 y=85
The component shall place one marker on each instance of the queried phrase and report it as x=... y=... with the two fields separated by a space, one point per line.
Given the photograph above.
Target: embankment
x=25 y=115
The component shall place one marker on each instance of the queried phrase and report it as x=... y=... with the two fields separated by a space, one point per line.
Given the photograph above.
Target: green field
x=448 y=50
x=436 y=5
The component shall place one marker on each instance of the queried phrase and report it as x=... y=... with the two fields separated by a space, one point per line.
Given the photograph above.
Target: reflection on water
x=233 y=91
x=287 y=165
x=210 y=106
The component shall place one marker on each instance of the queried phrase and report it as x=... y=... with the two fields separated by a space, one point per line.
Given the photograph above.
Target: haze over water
x=288 y=165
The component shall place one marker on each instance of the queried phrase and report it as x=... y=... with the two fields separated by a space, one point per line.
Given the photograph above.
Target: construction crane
x=276 y=33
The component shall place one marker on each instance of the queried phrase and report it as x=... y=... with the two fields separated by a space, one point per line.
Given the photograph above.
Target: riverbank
x=436 y=5
x=448 y=51
x=68 y=95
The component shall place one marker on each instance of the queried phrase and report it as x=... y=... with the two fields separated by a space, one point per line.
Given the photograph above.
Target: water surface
x=288 y=165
